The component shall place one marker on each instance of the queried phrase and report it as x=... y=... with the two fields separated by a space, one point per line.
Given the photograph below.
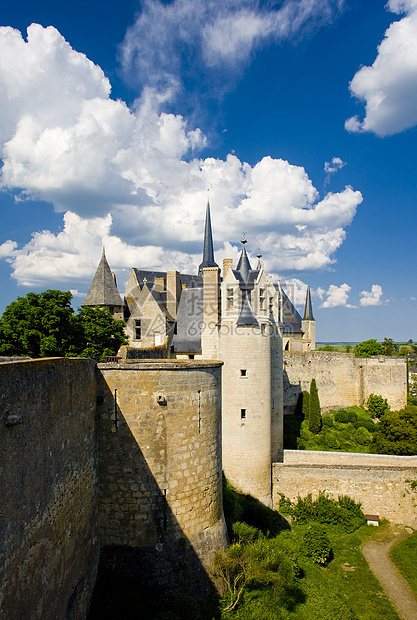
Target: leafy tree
x=103 y=335
x=377 y=405
x=368 y=348
x=315 y=412
x=397 y=432
x=388 y=346
x=45 y=325
x=348 y=348
x=39 y=325
x=326 y=347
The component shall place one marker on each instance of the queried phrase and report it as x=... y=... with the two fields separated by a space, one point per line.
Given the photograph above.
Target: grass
x=404 y=557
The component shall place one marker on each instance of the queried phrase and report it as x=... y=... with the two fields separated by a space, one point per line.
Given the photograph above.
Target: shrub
x=315 y=413
x=352 y=416
x=306 y=404
x=341 y=416
x=368 y=424
x=331 y=442
x=245 y=533
x=316 y=544
x=327 y=420
x=377 y=405
x=363 y=436
x=344 y=512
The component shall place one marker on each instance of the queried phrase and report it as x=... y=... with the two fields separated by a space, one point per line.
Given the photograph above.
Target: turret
x=308 y=324
x=208 y=251
x=103 y=290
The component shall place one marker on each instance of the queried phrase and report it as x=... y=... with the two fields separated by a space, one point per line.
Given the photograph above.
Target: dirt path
x=376 y=552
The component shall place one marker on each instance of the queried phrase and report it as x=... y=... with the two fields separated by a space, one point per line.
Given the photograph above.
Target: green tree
x=316 y=544
x=45 y=325
x=397 y=432
x=388 y=346
x=102 y=334
x=377 y=405
x=306 y=404
x=315 y=412
x=39 y=325
x=368 y=348
x=348 y=348
x=326 y=347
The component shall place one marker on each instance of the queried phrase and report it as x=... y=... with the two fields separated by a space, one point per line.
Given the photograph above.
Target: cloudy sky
x=298 y=115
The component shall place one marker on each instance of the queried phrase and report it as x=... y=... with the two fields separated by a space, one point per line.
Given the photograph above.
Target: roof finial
x=243 y=240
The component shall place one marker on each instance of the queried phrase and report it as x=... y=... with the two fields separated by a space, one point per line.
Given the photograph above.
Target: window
x=263 y=329
x=261 y=298
x=271 y=305
x=111 y=310
x=243 y=414
x=138 y=330
x=229 y=298
x=243 y=372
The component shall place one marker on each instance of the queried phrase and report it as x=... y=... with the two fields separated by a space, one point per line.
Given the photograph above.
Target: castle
x=246 y=321
x=120 y=464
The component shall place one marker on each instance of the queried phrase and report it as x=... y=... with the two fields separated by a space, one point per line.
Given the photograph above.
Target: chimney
x=227 y=264
x=173 y=292
x=159 y=284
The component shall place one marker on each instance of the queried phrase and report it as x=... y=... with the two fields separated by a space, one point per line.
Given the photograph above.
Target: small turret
x=103 y=290
x=308 y=324
x=208 y=251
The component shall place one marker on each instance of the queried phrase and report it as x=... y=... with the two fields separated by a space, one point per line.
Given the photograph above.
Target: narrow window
x=271 y=305
x=229 y=298
x=263 y=329
x=243 y=414
x=111 y=310
x=261 y=298
x=243 y=372
x=138 y=330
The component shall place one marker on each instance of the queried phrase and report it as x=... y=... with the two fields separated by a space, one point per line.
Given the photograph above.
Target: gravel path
x=376 y=552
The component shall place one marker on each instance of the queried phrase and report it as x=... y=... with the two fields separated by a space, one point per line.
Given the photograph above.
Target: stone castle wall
x=381 y=483
x=160 y=468
x=49 y=510
x=343 y=379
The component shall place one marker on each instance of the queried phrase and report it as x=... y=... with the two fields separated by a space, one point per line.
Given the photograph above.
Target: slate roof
x=187 y=331
x=103 y=290
x=188 y=279
x=208 y=251
x=291 y=319
x=308 y=310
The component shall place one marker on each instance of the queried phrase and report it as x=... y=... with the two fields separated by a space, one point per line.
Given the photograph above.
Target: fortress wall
x=343 y=379
x=381 y=483
x=48 y=522
x=160 y=468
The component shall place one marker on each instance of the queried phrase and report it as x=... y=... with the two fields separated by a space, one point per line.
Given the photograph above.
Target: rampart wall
x=49 y=512
x=343 y=379
x=160 y=469
x=381 y=483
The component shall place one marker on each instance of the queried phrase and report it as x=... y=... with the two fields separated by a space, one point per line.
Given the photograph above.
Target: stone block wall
x=343 y=379
x=48 y=489
x=160 y=469
x=381 y=483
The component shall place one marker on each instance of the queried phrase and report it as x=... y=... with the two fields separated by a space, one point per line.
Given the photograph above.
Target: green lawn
x=404 y=556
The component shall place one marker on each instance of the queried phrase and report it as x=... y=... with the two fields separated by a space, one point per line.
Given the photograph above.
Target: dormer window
x=261 y=299
x=138 y=330
x=229 y=298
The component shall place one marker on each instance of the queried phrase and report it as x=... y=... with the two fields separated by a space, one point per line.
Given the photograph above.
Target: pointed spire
x=308 y=310
x=243 y=265
x=208 y=252
x=103 y=290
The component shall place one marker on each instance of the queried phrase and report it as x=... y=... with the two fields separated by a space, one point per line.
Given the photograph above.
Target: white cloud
x=296 y=290
x=126 y=177
x=337 y=296
x=372 y=297
x=218 y=35
x=389 y=86
x=330 y=167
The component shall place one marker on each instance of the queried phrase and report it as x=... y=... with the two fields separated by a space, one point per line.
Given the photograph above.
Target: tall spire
x=308 y=310
x=208 y=252
x=103 y=290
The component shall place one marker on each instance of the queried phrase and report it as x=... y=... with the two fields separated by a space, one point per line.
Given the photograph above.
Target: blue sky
x=299 y=116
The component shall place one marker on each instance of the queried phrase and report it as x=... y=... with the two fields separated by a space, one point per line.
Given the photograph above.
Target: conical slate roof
x=308 y=310
x=103 y=290
x=208 y=252
x=243 y=266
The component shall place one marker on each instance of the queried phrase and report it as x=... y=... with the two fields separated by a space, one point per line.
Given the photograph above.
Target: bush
x=344 y=512
x=327 y=420
x=368 y=424
x=377 y=405
x=315 y=413
x=331 y=441
x=316 y=544
x=341 y=416
x=306 y=404
x=363 y=436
